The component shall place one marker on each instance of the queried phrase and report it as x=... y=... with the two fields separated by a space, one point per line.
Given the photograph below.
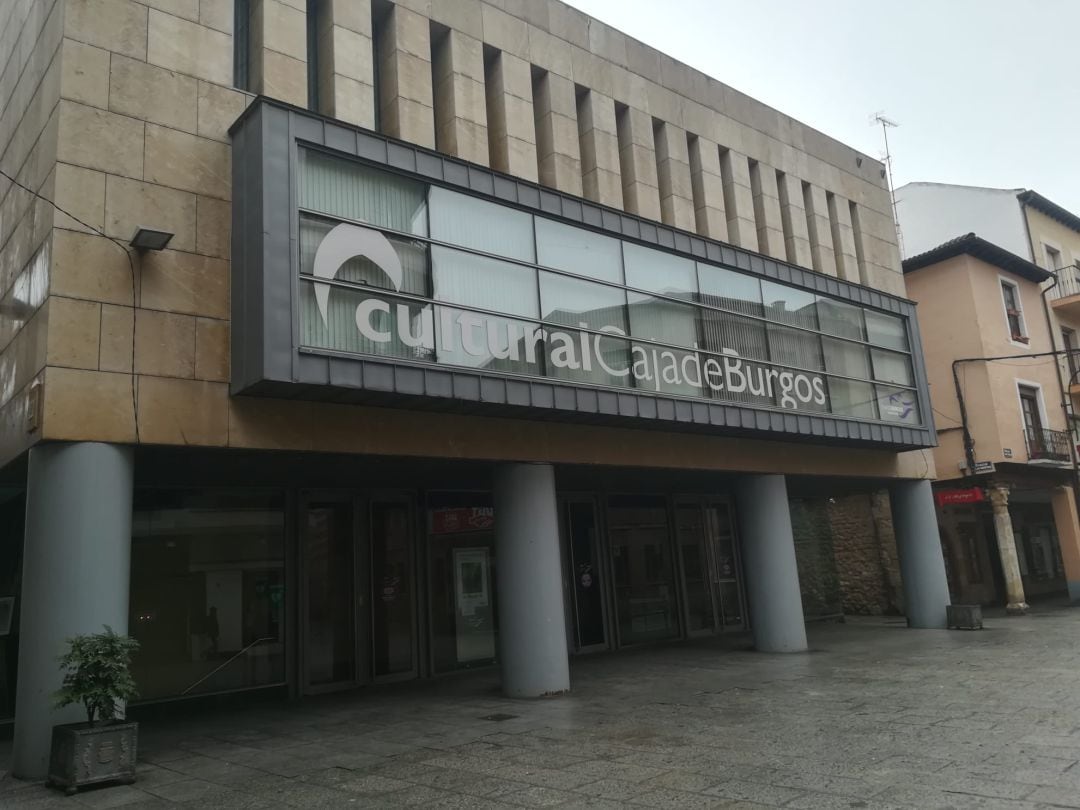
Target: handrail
x=216 y=670
x=1052 y=445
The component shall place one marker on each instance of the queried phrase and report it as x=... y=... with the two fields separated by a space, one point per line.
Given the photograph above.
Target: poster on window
x=475 y=626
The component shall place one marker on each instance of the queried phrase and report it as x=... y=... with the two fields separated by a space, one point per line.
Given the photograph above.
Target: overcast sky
x=985 y=91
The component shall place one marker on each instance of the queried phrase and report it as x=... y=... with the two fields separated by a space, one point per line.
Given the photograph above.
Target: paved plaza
x=875 y=716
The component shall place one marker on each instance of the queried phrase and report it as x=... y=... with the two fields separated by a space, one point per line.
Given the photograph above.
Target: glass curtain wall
x=486 y=286
x=644 y=577
x=207 y=591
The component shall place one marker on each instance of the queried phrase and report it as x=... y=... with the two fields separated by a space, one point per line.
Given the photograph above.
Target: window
x=1010 y=296
x=1053 y=258
x=242 y=44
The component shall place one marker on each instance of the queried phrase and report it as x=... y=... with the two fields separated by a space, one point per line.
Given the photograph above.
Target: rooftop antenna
x=886 y=124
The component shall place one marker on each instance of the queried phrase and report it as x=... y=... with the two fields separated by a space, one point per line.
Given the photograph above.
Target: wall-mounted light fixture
x=149 y=239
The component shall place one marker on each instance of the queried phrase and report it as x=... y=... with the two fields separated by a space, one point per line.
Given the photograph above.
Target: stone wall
x=864 y=548
x=818 y=570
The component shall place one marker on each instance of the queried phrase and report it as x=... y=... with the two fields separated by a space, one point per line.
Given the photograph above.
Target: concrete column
x=637 y=163
x=532 y=620
x=843 y=237
x=772 y=576
x=820 y=229
x=405 y=97
x=511 y=121
x=1063 y=501
x=673 y=176
x=708 y=186
x=558 y=150
x=767 y=216
x=279 y=51
x=793 y=217
x=460 y=103
x=922 y=566
x=738 y=199
x=76 y=569
x=346 y=63
x=599 y=148
x=1006 y=543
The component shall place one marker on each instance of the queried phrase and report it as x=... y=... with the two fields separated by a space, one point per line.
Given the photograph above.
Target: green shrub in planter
x=103 y=749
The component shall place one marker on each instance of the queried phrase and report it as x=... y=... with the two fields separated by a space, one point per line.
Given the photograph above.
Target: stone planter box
x=964 y=617
x=84 y=754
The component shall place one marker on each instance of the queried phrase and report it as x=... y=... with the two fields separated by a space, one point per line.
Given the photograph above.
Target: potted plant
x=102 y=749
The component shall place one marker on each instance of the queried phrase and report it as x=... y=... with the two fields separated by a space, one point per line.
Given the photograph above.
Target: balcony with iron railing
x=1048 y=446
x=1065 y=294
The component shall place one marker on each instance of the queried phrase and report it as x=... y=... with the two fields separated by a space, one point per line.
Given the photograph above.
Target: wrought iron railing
x=1048 y=445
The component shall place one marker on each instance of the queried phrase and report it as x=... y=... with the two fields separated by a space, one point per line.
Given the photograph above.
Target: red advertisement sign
x=952 y=497
x=462 y=519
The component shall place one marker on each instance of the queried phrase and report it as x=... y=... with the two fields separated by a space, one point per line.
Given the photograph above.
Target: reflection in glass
x=462 y=219
x=395 y=327
x=851 y=398
x=577 y=356
x=897 y=405
x=412 y=254
x=838 y=318
x=461 y=554
x=662 y=320
x=722 y=333
x=207 y=584
x=667 y=371
x=789 y=305
x=885 y=330
x=849 y=359
x=477 y=281
x=586 y=570
x=575 y=303
x=578 y=251
x=659 y=272
x=644 y=580
x=697 y=581
x=892 y=367
x=328 y=537
x=392 y=602
x=729 y=290
x=792 y=347
x=351 y=190
x=487 y=342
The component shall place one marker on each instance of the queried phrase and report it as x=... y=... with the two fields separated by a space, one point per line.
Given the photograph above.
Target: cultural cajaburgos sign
x=483 y=336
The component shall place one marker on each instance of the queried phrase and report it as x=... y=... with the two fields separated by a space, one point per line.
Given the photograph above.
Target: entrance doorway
x=587 y=574
x=707 y=554
x=358 y=608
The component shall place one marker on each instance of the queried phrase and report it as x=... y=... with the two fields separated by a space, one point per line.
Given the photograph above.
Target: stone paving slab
x=876 y=717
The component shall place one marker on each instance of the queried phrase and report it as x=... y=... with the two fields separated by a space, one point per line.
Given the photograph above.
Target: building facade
x=1028 y=227
x=484 y=334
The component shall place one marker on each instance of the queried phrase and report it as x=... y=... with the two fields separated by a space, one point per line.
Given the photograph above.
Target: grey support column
x=76 y=570
x=772 y=576
x=922 y=566
x=532 y=625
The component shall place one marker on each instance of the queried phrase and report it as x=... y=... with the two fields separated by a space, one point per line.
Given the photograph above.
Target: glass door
x=586 y=573
x=393 y=586
x=643 y=574
x=330 y=604
x=700 y=605
x=724 y=565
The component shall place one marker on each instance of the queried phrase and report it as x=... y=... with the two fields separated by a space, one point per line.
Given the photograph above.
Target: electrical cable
x=131 y=267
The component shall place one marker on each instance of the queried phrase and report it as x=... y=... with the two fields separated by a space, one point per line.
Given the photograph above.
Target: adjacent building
x=484 y=335
x=999 y=311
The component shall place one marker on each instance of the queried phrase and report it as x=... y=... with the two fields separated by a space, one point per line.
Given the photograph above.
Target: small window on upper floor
x=1053 y=258
x=1014 y=313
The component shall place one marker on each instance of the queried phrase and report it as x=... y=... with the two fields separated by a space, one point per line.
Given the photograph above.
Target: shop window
x=207 y=592
x=1014 y=314
x=731 y=291
x=892 y=367
x=838 y=318
x=852 y=398
x=470 y=222
x=461 y=554
x=659 y=272
x=846 y=358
